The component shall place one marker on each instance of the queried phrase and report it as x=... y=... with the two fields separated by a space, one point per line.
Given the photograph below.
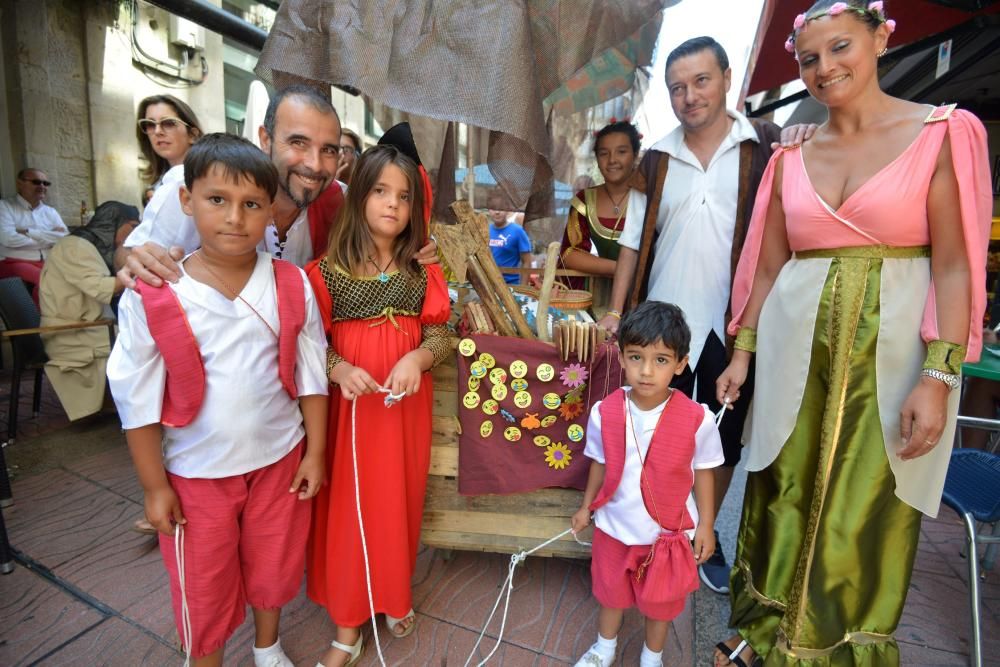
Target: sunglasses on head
x=37 y=181
x=148 y=125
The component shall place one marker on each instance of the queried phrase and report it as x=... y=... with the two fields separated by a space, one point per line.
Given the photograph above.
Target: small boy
x=509 y=243
x=649 y=445
x=221 y=387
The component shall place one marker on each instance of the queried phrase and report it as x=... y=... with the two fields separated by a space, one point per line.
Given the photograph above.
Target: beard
x=307 y=195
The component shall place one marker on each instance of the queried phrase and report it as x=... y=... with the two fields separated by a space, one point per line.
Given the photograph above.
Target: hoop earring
x=884 y=51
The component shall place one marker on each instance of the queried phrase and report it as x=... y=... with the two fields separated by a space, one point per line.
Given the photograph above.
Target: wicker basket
x=563 y=298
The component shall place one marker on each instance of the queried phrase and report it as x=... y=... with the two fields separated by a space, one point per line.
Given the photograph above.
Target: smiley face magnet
x=497 y=375
x=499 y=391
x=486 y=429
x=477 y=370
x=575 y=432
x=467 y=347
x=522 y=399
x=551 y=400
x=518 y=369
x=549 y=420
x=542 y=441
x=519 y=384
x=512 y=433
x=545 y=372
x=473 y=383
x=491 y=407
x=471 y=400
x=487 y=359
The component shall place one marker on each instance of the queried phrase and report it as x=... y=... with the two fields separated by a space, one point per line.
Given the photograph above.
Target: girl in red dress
x=386 y=317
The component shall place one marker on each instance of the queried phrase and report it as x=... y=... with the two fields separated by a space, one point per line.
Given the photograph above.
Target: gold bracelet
x=614 y=313
x=945 y=357
x=746 y=340
x=332 y=360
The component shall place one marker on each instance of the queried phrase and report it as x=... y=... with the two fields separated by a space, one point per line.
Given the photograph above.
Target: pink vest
x=185 y=390
x=668 y=459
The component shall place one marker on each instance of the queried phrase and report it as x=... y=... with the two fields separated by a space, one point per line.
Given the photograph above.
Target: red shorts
x=612 y=570
x=244 y=542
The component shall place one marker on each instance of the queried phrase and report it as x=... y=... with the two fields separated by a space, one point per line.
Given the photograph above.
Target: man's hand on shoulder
x=152 y=264
x=795 y=135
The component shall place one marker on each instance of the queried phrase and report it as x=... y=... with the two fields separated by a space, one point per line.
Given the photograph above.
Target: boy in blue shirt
x=508 y=241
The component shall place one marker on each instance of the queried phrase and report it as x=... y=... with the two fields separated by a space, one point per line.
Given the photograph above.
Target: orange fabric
x=393 y=448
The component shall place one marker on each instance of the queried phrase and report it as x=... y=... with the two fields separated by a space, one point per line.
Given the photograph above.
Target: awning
x=915 y=20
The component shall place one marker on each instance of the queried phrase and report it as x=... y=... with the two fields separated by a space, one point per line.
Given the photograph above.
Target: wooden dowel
x=545 y=296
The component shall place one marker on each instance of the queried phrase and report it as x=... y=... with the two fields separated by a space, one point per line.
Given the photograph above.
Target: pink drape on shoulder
x=967 y=137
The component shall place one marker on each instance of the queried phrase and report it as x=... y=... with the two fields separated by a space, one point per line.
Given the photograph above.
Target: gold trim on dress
x=867 y=252
x=803 y=653
x=752 y=590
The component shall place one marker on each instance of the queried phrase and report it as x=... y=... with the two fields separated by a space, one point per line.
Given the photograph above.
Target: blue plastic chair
x=972 y=489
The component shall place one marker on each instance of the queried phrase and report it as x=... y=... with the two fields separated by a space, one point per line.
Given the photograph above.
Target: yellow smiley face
x=488 y=360
x=549 y=421
x=518 y=369
x=467 y=347
x=512 y=433
x=575 y=432
x=522 y=399
x=486 y=430
x=551 y=400
x=470 y=400
x=545 y=372
x=542 y=441
x=499 y=391
x=520 y=384
x=477 y=370
x=473 y=383
x=491 y=407
x=498 y=376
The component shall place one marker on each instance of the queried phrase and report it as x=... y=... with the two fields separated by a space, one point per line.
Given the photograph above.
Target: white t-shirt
x=247 y=420
x=42 y=228
x=697 y=218
x=166 y=224
x=625 y=517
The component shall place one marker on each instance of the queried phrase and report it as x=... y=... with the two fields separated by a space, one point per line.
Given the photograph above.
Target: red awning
x=915 y=20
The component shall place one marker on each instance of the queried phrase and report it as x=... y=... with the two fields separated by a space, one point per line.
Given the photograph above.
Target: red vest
x=321 y=214
x=185 y=389
x=668 y=459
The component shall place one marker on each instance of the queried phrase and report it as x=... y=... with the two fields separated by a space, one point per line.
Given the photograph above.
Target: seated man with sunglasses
x=28 y=229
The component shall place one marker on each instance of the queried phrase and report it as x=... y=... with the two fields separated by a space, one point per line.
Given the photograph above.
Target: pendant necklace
x=382 y=276
x=617 y=206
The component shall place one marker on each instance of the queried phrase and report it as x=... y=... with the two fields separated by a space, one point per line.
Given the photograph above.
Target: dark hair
x=654 y=321
x=238 y=158
x=697 y=45
x=623 y=126
x=351 y=241
x=301 y=92
x=156 y=165
x=868 y=18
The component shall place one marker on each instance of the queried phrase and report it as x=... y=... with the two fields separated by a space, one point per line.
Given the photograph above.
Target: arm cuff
x=945 y=357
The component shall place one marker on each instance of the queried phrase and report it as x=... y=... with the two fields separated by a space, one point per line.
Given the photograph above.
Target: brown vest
x=651 y=177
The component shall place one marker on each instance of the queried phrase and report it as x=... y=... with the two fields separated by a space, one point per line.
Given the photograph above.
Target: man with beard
x=301 y=135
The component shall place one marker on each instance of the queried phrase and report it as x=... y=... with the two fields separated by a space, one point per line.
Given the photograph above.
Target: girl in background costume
x=861 y=287
x=386 y=317
x=597 y=214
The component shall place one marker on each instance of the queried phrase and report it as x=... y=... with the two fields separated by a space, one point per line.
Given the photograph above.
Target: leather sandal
x=353 y=651
x=392 y=622
x=733 y=655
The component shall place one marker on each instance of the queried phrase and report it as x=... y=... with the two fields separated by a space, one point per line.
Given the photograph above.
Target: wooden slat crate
x=493 y=523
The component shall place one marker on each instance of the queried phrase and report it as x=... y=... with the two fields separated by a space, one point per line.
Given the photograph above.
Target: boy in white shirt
x=649 y=446
x=221 y=387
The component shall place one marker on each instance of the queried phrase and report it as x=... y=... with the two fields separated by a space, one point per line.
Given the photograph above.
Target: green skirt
x=825 y=548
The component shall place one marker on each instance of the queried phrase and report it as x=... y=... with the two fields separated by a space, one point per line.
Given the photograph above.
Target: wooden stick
x=545 y=296
x=487 y=297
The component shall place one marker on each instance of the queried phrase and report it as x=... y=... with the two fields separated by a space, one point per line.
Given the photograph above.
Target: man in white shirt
x=28 y=228
x=700 y=182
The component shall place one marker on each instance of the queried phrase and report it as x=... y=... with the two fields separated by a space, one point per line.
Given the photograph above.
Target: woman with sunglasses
x=166 y=129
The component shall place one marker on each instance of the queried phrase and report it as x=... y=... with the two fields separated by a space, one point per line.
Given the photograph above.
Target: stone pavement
x=87 y=590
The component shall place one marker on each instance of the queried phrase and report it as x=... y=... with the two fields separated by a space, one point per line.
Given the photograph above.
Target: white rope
x=361 y=525
x=185 y=612
x=506 y=589
x=722 y=413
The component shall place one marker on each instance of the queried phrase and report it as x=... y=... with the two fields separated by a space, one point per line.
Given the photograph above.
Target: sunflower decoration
x=573 y=375
x=570 y=411
x=558 y=456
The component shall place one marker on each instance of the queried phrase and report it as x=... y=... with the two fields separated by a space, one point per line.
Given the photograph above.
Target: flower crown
x=874 y=9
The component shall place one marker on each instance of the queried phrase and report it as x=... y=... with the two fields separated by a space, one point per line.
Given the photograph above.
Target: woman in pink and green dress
x=861 y=288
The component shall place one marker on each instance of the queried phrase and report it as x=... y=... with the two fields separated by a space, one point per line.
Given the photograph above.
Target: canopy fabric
x=491 y=65
x=915 y=20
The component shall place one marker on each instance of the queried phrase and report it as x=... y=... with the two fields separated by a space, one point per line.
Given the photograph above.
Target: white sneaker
x=594 y=658
x=275 y=658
